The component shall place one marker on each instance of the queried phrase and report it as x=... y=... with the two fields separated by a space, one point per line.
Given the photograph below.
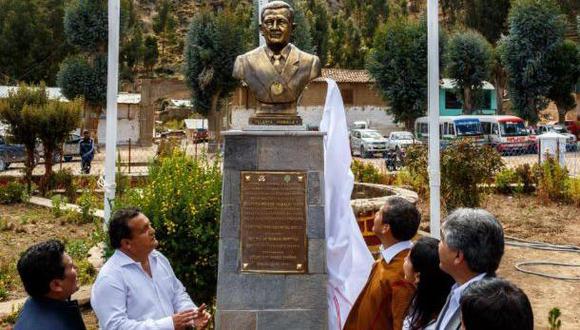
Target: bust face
x=277 y=27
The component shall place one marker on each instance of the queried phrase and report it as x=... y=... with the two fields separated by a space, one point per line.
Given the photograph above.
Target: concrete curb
x=40 y=201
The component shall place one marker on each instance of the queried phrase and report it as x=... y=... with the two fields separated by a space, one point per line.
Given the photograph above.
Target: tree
x=398 y=63
x=213 y=43
x=164 y=24
x=488 y=17
x=317 y=15
x=536 y=30
x=451 y=11
x=346 y=46
x=564 y=66
x=85 y=75
x=150 y=54
x=23 y=131
x=468 y=63
x=52 y=123
x=32 y=42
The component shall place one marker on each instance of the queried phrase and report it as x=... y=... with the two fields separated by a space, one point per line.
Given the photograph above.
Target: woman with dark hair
x=433 y=285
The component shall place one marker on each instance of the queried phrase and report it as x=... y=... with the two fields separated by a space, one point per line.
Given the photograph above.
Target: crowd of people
x=445 y=285
x=423 y=284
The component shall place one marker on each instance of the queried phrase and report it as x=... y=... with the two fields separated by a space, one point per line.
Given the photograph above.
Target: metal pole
x=261 y=4
x=112 y=91
x=433 y=97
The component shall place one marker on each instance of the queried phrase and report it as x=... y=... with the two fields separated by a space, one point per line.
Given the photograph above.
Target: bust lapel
x=292 y=64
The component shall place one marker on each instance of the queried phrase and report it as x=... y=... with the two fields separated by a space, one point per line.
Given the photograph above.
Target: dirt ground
x=22 y=225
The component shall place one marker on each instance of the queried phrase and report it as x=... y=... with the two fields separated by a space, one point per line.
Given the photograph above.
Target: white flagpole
x=261 y=4
x=112 y=91
x=433 y=96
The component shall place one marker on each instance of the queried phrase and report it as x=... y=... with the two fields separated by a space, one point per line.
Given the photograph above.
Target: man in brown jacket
x=383 y=301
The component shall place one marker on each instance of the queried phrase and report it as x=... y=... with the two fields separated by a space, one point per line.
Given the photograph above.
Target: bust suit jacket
x=258 y=72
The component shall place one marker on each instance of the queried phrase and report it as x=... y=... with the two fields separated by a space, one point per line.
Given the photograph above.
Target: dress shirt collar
x=285 y=52
x=390 y=252
x=457 y=290
x=124 y=260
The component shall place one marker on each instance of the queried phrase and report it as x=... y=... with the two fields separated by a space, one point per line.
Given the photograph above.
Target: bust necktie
x=278 y=63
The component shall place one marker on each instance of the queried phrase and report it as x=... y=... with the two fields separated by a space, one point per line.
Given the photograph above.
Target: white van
x=506 y=133
x=451 y=128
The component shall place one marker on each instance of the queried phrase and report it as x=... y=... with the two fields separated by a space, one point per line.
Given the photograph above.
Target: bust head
x=277 y=24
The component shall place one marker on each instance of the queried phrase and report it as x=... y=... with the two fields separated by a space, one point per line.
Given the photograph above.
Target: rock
x=96 y=256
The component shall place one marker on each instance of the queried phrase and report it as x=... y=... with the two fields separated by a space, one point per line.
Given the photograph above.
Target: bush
x=527 y=178
x=464 y=168
x=507 y=181
x=368 y=173
x=58 y=201
x=87 y=203
x=13 y=192
x=552 y=181
x=64 y=179
x=183 y=200
x=574 y=191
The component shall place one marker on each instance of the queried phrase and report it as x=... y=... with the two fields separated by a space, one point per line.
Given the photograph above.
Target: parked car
x=70 y=149
x=400 y=140
x=571 y=140
x=573 y=127
x=367 y=142
x=10 y=153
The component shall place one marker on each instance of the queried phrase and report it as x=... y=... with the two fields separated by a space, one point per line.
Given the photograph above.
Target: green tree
x=85 y=75
x=23 y=131
x=213 y=43
x=489 y=17
x=536 y=30
x=347 y=49
x=468 y=63
x=52 y=123
x=164 y=24
x=564 y=66
x=150 y=54
x=452 y=10
x=398 y=63
x=32 y=42
x=318 y=18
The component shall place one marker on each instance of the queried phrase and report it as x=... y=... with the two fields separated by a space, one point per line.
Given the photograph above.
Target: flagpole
x=433 y=97
x=112 y=91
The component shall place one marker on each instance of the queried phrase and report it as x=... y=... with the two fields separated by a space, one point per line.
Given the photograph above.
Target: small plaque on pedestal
x=273 y=222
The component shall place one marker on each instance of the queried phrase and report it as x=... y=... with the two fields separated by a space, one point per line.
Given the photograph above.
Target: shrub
x=64 y=179
x=58 y=202
x=574 y=191
x=368 y=173
x=464 y=168
x=507 y=181
x=552 y=181
x=78 y=249
x=13 y=192
x=526 y=176
x=87 y=203
x=183 y=199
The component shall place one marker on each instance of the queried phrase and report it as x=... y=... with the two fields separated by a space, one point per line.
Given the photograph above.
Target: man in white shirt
x=471 y=248
x=136 y=288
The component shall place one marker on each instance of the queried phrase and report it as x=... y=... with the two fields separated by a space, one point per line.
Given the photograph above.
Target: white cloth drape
x=348 y=259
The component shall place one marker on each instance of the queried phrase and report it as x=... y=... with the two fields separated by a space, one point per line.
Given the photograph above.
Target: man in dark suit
x=471 y=248
x=278 y=72
x=50 y=278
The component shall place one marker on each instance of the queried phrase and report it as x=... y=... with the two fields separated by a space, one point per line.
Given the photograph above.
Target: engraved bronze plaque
x=273 y=222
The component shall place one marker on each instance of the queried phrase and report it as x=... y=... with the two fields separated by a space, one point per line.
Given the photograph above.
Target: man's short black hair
x=39 y=265
x=403 y=218
x=496 y=304
x=119 y=225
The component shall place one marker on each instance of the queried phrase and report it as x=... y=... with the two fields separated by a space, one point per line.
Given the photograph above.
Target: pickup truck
x=400 y=140
x=367 y=142
x=10 y=153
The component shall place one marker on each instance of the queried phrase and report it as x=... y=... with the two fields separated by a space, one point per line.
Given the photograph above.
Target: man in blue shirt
x=50 y=278
x=87 y=152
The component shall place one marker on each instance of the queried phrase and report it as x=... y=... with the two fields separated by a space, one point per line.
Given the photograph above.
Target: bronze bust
x=278 y=72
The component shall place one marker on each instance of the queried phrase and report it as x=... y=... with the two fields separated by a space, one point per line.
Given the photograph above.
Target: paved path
x=48 y=203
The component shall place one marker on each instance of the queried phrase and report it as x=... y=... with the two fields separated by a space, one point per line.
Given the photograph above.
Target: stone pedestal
x=269 y=300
